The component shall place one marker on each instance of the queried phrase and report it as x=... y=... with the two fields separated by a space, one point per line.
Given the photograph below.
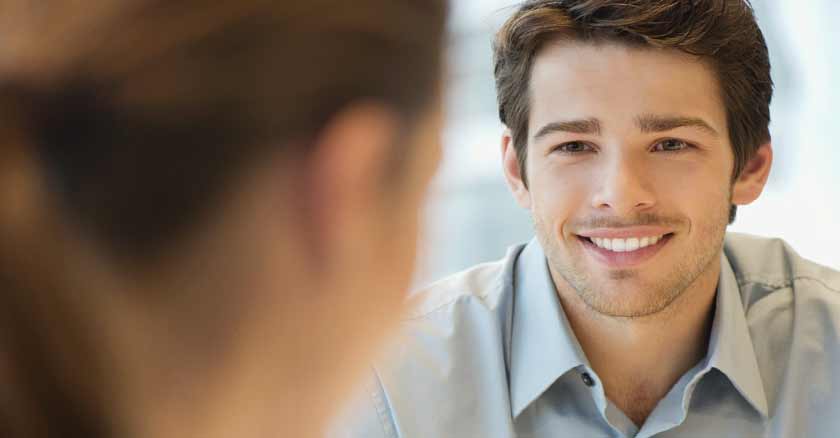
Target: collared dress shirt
x=489 y=353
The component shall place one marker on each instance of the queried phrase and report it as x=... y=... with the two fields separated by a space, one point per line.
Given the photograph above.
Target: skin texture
x=634 y=168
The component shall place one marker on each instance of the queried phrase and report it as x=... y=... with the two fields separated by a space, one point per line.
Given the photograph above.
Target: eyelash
x=560 y=147
x=590 y=148
x=687 y=145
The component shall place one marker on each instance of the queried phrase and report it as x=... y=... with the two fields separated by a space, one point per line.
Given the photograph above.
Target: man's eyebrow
x=649 y=123
x=579 y=126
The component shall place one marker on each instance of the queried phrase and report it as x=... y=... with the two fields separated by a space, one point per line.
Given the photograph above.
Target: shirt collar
x=543 y=347
x=730 y=345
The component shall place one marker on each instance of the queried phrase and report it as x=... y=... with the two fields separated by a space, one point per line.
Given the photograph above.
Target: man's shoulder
x=792 y=310
x=773 y=265
x=450 y=348
x=464 y=315
x=483 y=285
x=789 y=301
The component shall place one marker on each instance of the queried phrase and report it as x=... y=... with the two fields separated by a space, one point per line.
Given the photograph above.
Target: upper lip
x=625 y=232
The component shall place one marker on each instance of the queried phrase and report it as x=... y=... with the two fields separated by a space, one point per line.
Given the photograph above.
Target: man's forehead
x=574 y=79
x=579 y=59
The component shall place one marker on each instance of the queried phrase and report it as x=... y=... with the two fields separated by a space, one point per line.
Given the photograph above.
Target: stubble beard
x=640 y=298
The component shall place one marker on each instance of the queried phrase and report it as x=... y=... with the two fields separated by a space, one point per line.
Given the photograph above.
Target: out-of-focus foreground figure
x=207 y=209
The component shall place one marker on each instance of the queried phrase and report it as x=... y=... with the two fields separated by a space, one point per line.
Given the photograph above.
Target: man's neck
x=639 y=359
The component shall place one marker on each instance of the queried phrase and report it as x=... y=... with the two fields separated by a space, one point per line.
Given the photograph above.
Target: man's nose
x=624 y=188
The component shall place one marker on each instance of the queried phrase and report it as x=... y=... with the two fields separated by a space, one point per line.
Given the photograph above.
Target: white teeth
x=626 y=245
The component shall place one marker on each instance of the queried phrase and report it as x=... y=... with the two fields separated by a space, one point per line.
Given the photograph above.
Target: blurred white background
x=472 y=218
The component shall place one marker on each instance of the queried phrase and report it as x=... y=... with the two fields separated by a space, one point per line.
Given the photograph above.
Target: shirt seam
x=495 y=285
x=429 y=313
x=781 y=284
x=382 y=411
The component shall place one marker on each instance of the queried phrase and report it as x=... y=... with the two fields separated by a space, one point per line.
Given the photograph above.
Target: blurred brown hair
x=142 y=113
x=724 y=33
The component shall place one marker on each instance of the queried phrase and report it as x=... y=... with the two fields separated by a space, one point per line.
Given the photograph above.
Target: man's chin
x=630 y=307
x=625 y=294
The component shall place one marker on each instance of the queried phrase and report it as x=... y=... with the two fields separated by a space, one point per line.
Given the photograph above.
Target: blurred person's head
x=208 y=210
x=634 y=129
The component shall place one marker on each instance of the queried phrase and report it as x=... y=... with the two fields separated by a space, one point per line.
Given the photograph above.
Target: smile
x=626 y=251
x=626 y=245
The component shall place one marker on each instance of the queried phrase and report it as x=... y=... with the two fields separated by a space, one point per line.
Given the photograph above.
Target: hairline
x=570 y=37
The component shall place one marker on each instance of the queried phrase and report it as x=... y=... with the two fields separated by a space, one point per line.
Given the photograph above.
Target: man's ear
x=513 y=174
x=343 y=190
x=750 y=183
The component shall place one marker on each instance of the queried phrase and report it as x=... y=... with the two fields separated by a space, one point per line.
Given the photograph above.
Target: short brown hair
x=724 y=33
x=143 y=112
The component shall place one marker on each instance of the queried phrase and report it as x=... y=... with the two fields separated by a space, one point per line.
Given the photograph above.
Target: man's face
x=629 y=166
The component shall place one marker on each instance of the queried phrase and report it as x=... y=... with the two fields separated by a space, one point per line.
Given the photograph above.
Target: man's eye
x=671 y=145
x=574 y=147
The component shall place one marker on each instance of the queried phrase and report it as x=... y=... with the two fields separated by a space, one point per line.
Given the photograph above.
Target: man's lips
x=626 y=232
x=624 y=252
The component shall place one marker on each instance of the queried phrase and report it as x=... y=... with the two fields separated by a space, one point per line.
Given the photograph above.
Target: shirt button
x=587 y=379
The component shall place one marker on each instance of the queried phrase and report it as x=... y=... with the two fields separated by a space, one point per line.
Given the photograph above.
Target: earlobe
x=513 y=173
x=750 y=183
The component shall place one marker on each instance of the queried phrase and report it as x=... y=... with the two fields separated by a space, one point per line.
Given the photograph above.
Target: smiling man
x=635 y=129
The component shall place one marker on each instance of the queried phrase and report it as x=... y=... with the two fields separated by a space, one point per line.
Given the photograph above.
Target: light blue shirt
x=489 y=353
